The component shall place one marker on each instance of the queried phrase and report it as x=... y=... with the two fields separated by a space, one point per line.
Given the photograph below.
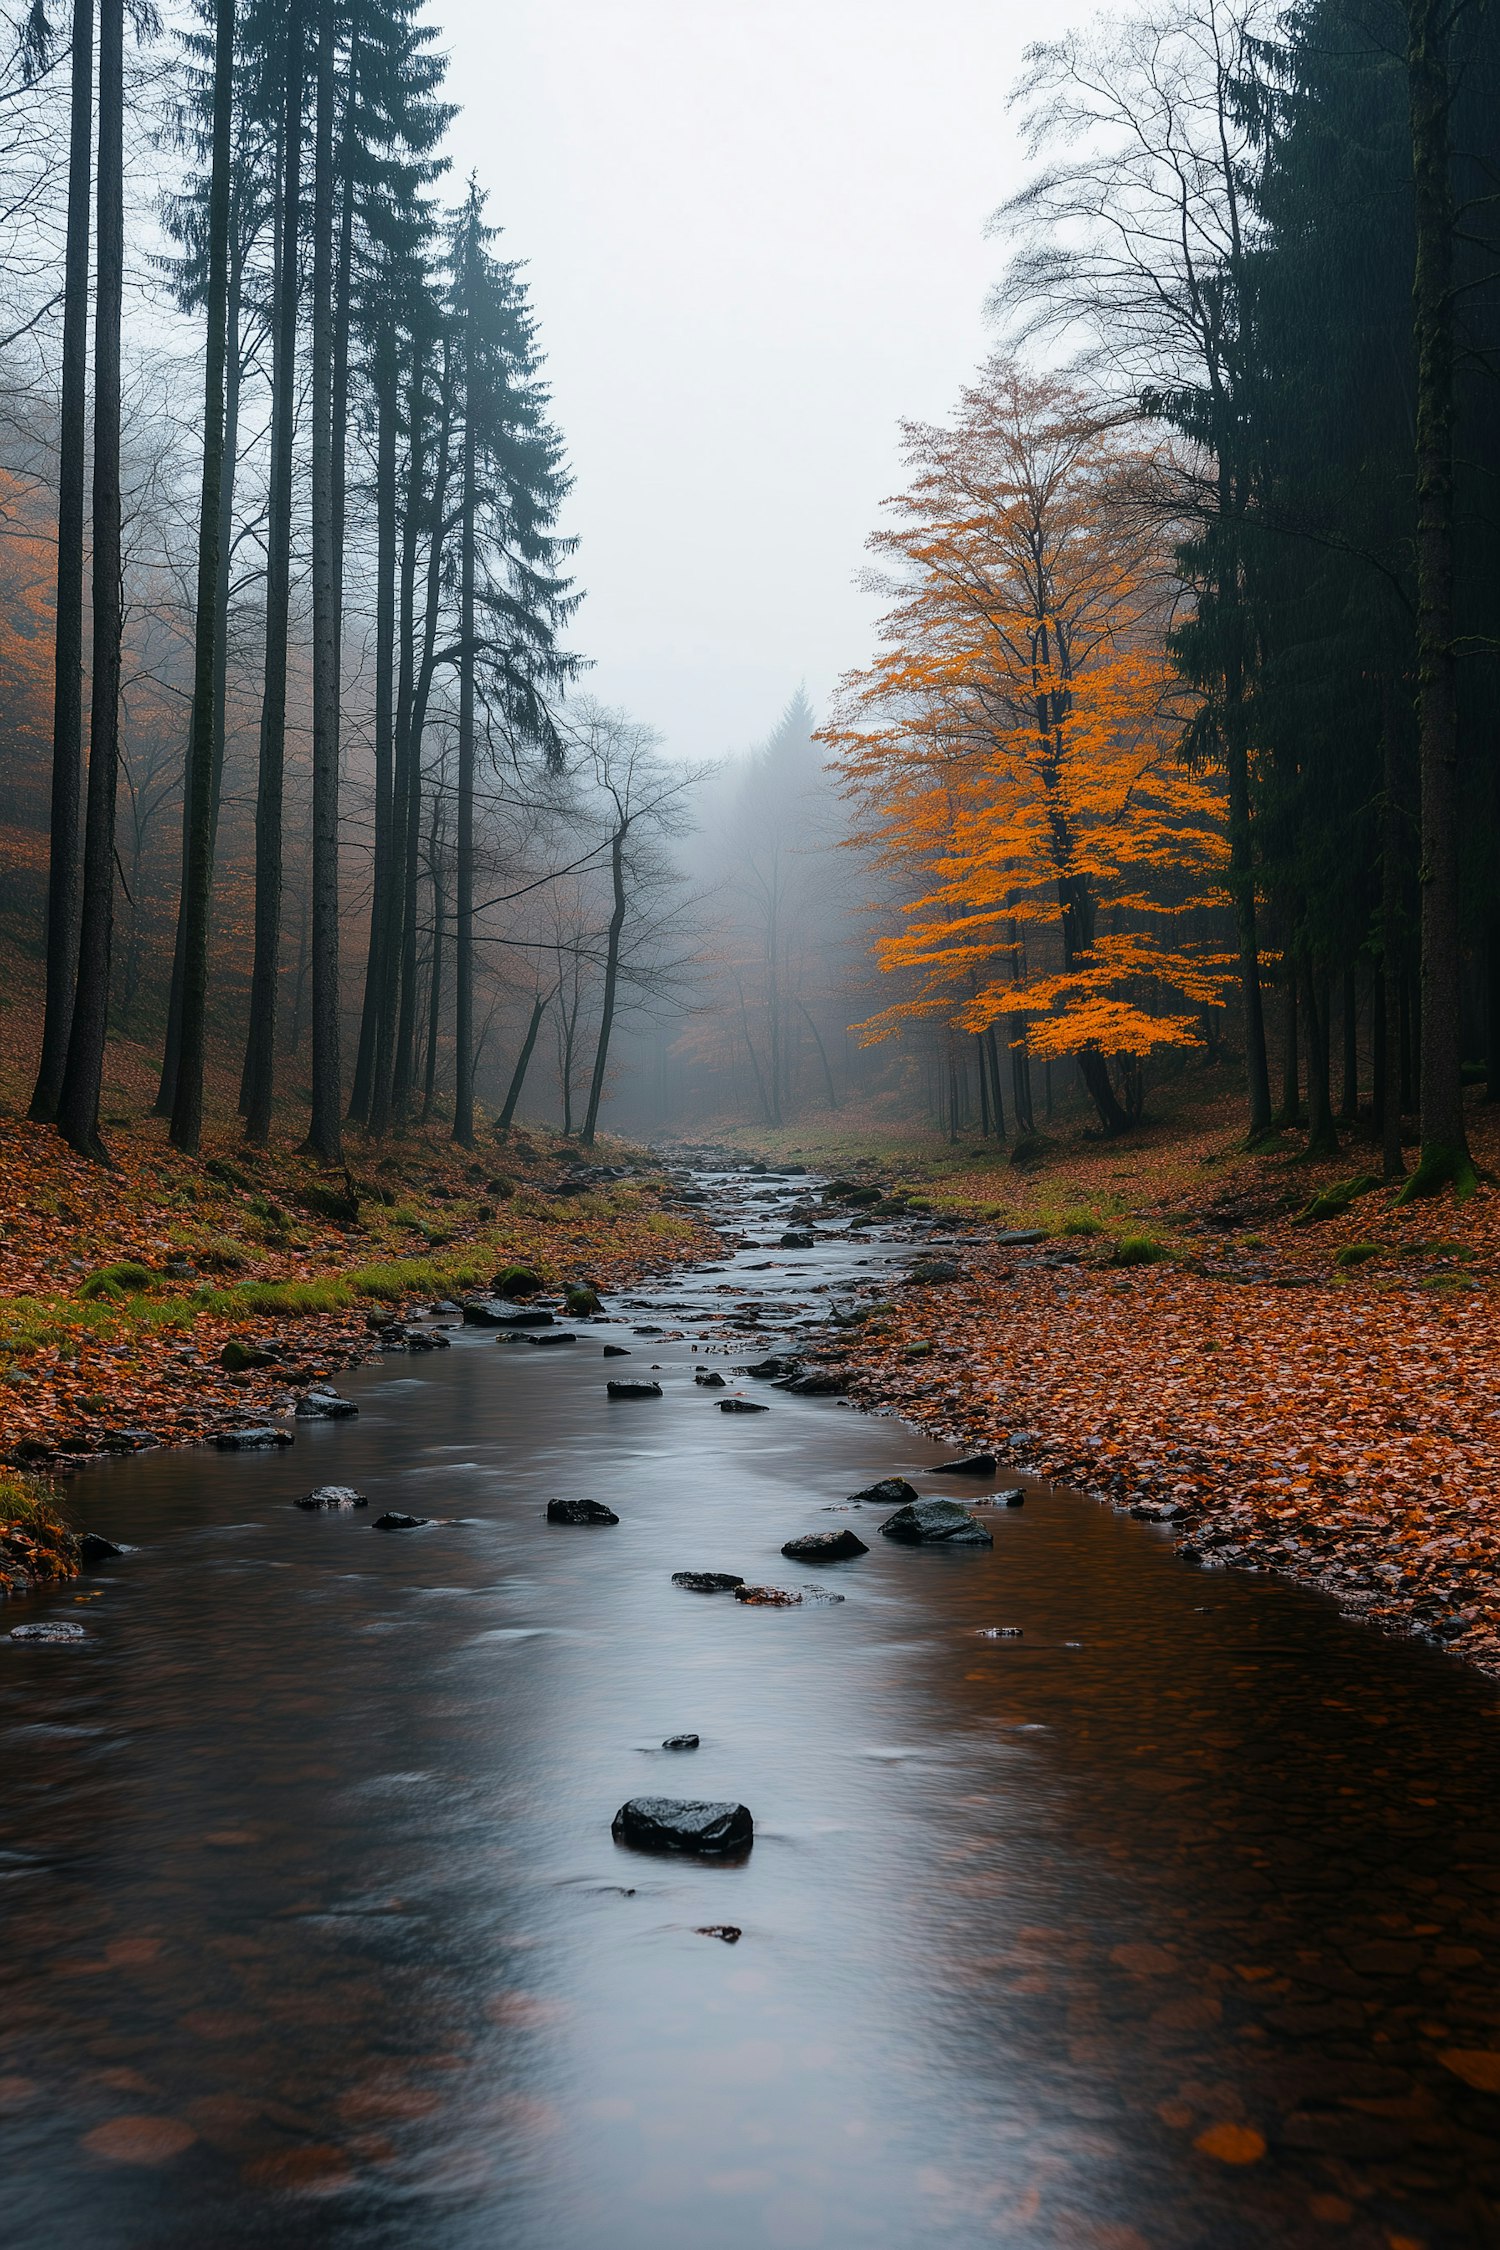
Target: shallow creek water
x=314 y=1931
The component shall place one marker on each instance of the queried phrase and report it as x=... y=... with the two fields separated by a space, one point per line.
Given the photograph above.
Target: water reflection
x=1150 y=1927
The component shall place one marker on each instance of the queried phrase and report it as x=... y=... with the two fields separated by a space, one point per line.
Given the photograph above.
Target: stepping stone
x=742 y=1406
x=707 y=1581
x=680 y=1742
x=580 y=1511
x=496 y=1312
x=52 y=1630
x=260 y=1439
x=936 y=1523
x=825 y=1546
x=394 y=1520
x=332 y=1496
x=682 y=1824
x=767 y=1597
x=633 y=1390
x=972 y=1465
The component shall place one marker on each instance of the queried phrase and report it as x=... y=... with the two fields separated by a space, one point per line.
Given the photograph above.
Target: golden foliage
x=1011 y=744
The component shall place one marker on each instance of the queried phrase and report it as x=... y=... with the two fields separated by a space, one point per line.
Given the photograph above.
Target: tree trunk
x=1349 y=1103
x=383 y=873
x=1322 y=1140
x=1291 y=1092
x=523 y=1063
x=257 y=1091
x=403 y=1070
x=833 y=1100
x=83 y=1072
x=187 y=1099
x=324 y=1135
x=64 y=870
x=1445 y=1150
x=1492 y=1003
x=404 y=777
x=997 y=1098
x=463 y=995
x=1242 y=887
x=611 y=980
x=435 y=988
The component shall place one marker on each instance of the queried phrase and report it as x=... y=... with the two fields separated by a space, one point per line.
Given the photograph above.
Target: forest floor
x=120 y=1288
x=1319 y=1399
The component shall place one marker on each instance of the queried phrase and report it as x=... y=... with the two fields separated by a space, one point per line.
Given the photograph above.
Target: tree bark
x=257 y=1091
x=383 y=873
x=1322 y=1140
x=523 y=1063
x=1445 y=1154
x=1349 y=1101
x=324 y=1134
x=611 y=980
x=78 y=1100
x=187 y=1099
x=64 y=870
x=435 y=995
x=463 y=947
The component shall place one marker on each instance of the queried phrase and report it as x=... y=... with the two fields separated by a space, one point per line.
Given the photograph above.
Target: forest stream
x=1170 y=1923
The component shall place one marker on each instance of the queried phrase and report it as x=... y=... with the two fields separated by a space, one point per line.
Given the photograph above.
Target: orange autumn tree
x=1012 y=745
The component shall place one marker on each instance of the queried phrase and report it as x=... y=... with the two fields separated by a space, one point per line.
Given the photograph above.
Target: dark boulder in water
x=580 y=1511
x=616 y=1351
x=51 y=1629
x=680 y=1742
x=710 y=1379
x=495 y=1312
x=707 y=1581
x=633 y=1390
x=825 y=1546
x=818 y=1382
x=258 y=1439
x=94 y=1547
x=332 y=1496
x=890 y=1492
x=936 y=1523
x=742 y=1406
x=394 y=1520
x=551 y=1336
x=683 y=1824
x=972 y=1465
x=325 y=1406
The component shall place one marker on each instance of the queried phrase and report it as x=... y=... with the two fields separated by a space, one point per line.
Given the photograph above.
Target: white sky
x=755 y=238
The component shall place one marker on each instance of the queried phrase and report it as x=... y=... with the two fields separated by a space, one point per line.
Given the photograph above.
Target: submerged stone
x=394 y=1520
x=742 y=1406
x=767 y=1597
x=825 y=1546
x=633 y=1390
x=580 y=1511
x=680 y=1742
x=934 y=1523
x=552 y=1336
x=682 y=1824
x=258 y=1439
x=332 y=1496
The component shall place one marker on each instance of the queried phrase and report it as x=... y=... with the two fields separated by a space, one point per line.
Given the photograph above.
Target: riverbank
x=167 y=1298
x=1312 y=1395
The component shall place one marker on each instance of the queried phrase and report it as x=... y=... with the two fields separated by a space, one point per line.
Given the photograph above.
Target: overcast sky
x=755 y=238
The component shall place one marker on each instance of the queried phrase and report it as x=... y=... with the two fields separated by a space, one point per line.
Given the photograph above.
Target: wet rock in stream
x=681 y=1742
x=936 y=1523
x=395 y=1520
x=683 y=1824
x=332 y=1496
x=616 y=1351
x=495 y=1312
x=742 y=1406
x=707 y=1581
x=825 y=1546
x=633 y=1390
x=725 y=1930
x=325 y=1406
x=972 y=1465
x=93 y=1547
x=580 y=1511
x=258 y=1439
x=52 y=1629
x=709 y=1379
x=890 y=1492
